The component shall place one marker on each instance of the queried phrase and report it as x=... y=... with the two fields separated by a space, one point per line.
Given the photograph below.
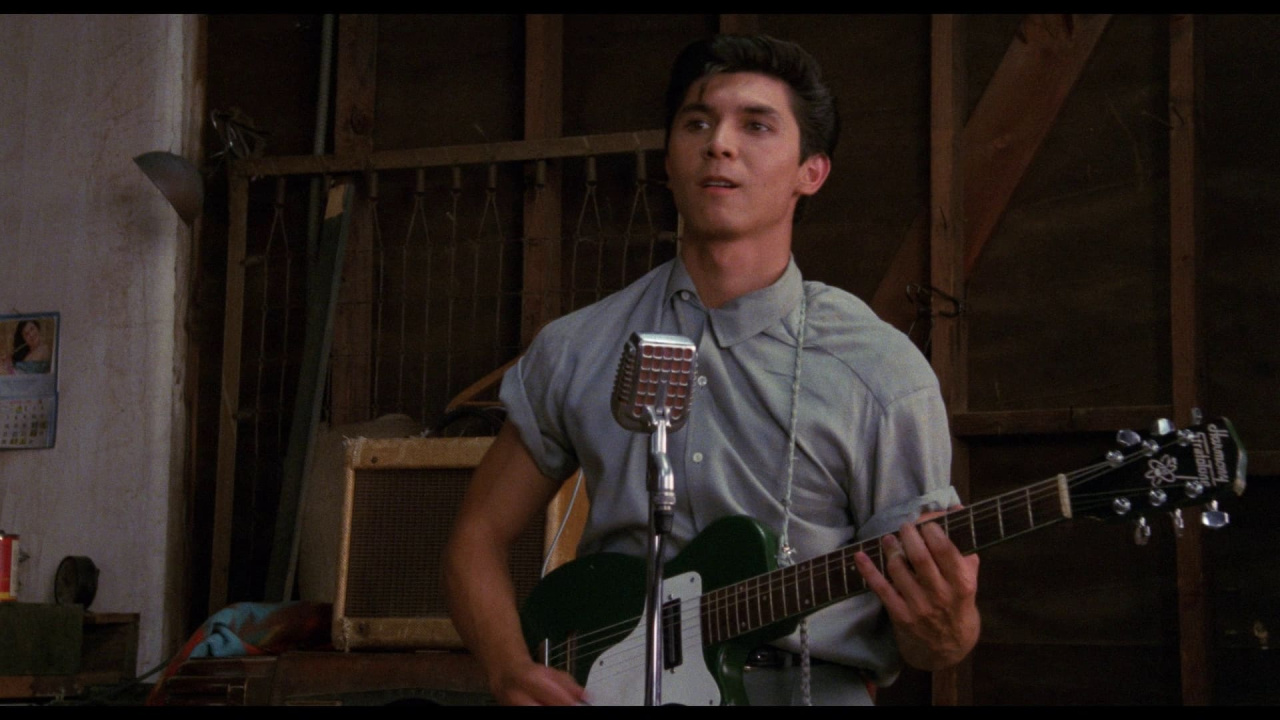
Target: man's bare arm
x=506 y=492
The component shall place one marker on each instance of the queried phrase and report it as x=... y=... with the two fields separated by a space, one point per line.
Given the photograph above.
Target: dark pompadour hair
x=811 y=101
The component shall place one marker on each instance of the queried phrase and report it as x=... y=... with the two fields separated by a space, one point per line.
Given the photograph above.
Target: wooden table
x=329 y=678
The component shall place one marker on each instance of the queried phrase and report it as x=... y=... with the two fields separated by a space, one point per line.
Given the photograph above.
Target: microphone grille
x=655 y=371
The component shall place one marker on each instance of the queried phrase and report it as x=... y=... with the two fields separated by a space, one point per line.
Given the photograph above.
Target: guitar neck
x=800 y=589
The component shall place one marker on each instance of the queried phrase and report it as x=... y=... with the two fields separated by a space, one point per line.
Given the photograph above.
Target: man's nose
x=720 y=144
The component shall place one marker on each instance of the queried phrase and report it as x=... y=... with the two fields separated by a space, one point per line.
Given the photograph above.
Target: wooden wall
x=1116 y=264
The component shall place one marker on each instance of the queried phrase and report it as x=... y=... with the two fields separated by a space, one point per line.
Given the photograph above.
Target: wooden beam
x=953 y=685
x=453 y=155
x=1059 y=421
x=1016 y=112
x=228 y=423
x=1185 y=82
x=354 y=96
x=1001 y=137
x=543 y=118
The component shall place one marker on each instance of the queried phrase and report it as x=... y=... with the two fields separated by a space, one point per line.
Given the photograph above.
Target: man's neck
x=726 y=270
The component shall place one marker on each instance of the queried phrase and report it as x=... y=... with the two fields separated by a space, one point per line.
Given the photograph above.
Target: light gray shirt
x=873 y=448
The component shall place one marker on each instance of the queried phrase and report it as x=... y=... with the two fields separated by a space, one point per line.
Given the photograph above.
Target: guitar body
x=592 y=610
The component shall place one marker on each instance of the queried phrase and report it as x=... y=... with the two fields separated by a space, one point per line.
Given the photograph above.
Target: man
x=856 y=449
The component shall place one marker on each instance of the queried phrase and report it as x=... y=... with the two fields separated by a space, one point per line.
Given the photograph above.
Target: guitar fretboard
x=805 y=587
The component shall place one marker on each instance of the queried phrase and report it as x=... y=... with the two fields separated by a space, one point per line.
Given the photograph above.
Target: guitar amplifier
x=401 y=497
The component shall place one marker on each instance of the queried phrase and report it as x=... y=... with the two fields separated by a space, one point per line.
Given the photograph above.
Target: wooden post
x=1185 y=81
x=354 y=96
x=228 y=428
x=953 y=685
x=543 y=118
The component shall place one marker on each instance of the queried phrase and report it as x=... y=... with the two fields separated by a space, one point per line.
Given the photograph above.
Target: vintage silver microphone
x=652 y=393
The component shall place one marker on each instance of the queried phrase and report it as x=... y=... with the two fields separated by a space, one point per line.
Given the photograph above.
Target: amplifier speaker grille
x=402 y=496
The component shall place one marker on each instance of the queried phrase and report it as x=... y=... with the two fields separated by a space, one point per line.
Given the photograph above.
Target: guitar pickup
x=672 y=645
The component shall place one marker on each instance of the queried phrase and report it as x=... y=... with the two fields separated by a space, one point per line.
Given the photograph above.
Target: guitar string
x=720 y=600
x=739 y=602
x=761 y=589
x=717 y=602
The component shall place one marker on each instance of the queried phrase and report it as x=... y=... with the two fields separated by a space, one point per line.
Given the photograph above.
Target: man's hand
x=930 y=594
x=534 y=684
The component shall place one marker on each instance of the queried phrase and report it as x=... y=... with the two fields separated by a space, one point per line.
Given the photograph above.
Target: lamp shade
x=178 y=179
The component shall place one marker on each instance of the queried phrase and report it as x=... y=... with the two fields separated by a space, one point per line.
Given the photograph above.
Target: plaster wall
x=84 y=233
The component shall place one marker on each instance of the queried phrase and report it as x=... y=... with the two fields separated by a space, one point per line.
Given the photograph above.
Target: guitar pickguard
x=612 y=680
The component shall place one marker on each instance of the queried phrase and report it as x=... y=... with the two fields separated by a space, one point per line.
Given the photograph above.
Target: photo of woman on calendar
x=27 y=344
x=28 y=380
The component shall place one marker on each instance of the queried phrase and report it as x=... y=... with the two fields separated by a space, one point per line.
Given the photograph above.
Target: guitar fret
x=754 y=593
x=796 y=586
x=778 y=596
x=842 y=575
x=768 y=613
x=722 y=615
x=738 y=602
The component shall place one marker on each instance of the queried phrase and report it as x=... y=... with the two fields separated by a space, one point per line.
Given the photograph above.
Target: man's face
x=733 y=160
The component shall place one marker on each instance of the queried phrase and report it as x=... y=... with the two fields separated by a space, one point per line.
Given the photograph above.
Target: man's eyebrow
x=694 y=107
x=760 y=110
x=700 y=107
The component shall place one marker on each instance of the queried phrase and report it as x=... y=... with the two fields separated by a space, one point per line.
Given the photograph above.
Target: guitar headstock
x=1163 y=470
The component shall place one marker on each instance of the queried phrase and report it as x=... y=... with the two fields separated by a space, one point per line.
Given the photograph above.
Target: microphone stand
x=662 y=498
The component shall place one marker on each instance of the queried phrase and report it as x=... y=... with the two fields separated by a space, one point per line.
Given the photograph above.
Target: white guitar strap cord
x=564 y=522
x=786 y=553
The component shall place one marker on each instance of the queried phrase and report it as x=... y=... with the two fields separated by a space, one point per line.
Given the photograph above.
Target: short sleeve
x=912 y=463
x=531 y=393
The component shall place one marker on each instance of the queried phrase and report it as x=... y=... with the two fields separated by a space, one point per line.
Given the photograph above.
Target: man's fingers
x=879 y=584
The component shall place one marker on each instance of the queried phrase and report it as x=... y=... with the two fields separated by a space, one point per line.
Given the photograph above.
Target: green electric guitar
x=725 y=595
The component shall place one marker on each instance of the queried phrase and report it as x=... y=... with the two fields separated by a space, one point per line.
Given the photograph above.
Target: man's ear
x=813 y=173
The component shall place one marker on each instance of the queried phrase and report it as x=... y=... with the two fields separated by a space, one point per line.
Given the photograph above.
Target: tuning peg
x=1197 y=417
x=1142 y=532
x=1156 y=497
x=1178 y=524
x=1128 y=438
x=1194 y=489
x=1115 y=458
x=1121 y=506
x=1212 y=517
x=1162 y=427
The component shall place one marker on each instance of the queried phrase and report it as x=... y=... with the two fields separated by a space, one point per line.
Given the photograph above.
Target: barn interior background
x=1114 y=263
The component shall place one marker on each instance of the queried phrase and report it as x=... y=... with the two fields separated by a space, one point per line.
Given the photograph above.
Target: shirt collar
x=749 y=315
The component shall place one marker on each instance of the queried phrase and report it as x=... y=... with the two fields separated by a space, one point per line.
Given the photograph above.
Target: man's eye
x=758 y=127
x=697 y=124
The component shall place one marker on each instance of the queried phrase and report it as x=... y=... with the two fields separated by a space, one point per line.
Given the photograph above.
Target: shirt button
x=684 y=294
x=697 y=457
x=702 y=379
